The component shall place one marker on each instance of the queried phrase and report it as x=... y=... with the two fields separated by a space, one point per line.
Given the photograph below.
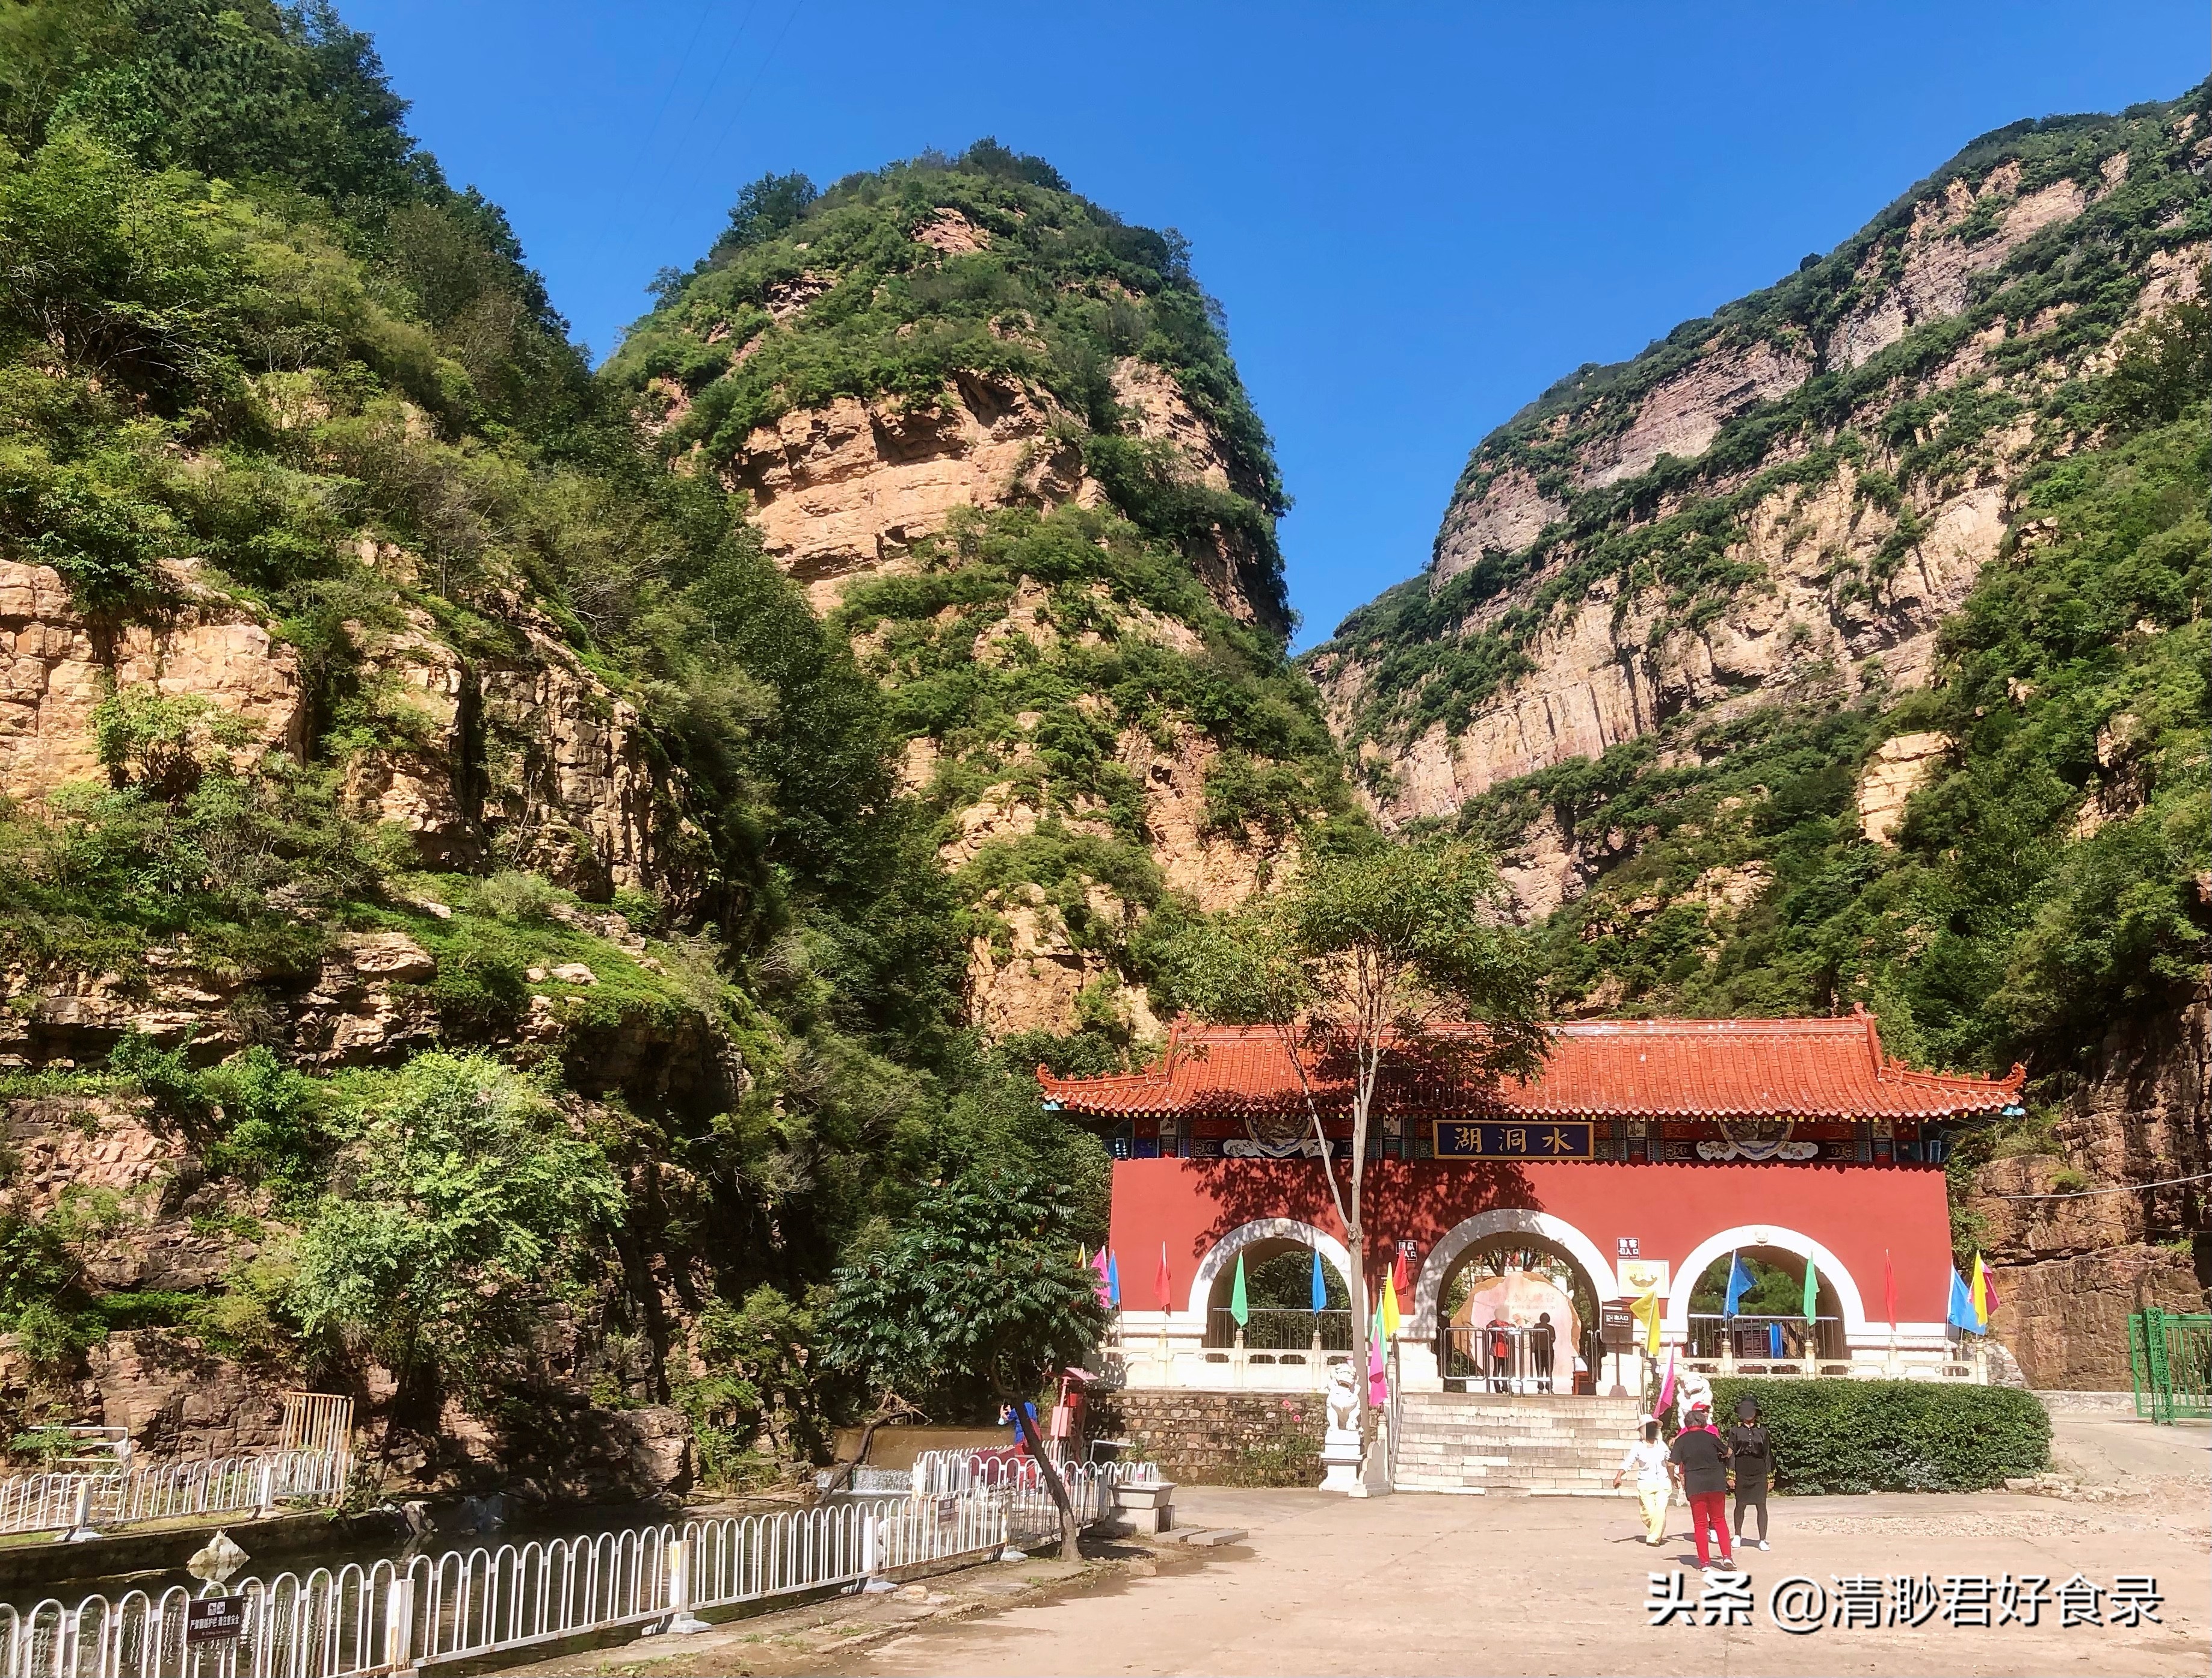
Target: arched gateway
x=1641 y=1154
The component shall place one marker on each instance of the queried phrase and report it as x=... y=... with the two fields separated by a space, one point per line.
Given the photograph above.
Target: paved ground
x=1470 y=1584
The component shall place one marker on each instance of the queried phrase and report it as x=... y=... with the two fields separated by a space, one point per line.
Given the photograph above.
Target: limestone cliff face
x=2070 y=1268
x=844 y=489
x=1750 y=511
x=525 y=751
x=895 y=381
x=55 y=667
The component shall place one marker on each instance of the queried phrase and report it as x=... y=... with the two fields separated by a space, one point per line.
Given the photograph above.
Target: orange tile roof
x=1628 y=1068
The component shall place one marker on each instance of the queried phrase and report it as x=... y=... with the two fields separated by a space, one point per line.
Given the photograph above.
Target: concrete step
x=1513 y=1444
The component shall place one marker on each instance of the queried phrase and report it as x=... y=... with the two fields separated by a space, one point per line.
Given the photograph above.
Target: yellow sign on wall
x=1641 y=1275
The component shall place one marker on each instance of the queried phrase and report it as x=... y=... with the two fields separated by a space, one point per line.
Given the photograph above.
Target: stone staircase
x=1545 y=1445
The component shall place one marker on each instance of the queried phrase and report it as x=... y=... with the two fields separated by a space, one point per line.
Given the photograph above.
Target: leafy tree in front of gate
x=980 y=1290
x=1359 y=965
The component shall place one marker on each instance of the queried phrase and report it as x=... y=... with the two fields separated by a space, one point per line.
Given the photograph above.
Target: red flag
x=1164 y=1283
x=1398 y=1273
x=1889 y=1289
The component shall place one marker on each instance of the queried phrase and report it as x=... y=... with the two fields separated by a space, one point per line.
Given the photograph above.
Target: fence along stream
x=468 y=1604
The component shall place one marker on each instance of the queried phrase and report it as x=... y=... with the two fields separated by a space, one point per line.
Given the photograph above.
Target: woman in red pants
x=1702 y=1455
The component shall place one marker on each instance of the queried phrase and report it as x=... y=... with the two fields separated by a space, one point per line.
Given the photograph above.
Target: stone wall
x=1220 y=1438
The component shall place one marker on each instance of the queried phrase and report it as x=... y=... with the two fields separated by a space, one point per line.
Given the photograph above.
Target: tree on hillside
x=462 y=1190
x=981 y=1287
x=1354 y=967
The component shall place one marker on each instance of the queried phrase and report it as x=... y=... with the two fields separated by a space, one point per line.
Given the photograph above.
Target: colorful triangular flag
x=1889 y=1289
x=1984 y=1296
x=1960 y=1315
x=1112 y=1279
x=1163 y=1283
x=1812 y=1300
x=1320 y=1285
x=1240 y=1306
x=1390 y=1317
x=1645 y=1311
x=1740 y=1282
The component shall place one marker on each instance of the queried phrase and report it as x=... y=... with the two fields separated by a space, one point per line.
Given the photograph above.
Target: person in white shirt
x=1654 y=1474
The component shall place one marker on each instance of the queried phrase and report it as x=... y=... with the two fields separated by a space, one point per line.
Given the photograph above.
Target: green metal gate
x=2170 y=1355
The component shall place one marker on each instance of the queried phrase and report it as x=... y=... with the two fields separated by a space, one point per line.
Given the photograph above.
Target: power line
x=668 y=94
x=2122 y=1188
x=745 y=98
x=707 y=98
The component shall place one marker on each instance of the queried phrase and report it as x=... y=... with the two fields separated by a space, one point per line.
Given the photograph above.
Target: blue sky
x=1416 y=217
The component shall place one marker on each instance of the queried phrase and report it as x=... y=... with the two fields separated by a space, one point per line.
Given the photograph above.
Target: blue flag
x=1320 y=1286
x=1961 y=1314
x=1113 y=1281
x=1740 y=1282
x=1774 y=1339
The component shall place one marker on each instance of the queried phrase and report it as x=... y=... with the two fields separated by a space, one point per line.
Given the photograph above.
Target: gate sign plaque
x=1547 y=1139
x=213 y=1619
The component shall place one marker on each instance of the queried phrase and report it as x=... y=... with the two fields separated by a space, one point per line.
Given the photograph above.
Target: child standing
x=1655 y=1480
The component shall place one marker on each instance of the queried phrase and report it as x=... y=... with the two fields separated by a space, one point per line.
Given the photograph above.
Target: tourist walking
x=1702 y=1455
x=1655 y=1480
x=1751 y=1459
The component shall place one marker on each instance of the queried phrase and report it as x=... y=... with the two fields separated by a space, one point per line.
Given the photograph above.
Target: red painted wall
x=1854 y=1211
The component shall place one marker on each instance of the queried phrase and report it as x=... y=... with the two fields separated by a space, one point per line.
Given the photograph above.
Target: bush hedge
x=1893 y=1436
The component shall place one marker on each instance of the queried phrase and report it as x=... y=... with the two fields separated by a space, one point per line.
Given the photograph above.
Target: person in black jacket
x=1753 y=1459
x=1702 y=1455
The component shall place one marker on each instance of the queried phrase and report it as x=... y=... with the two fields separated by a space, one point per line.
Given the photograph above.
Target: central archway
x=1444 y=1257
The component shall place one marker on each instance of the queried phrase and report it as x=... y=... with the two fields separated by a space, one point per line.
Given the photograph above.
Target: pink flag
x=1666 y=1388
x=1378 y=1388
x=1098 y=1266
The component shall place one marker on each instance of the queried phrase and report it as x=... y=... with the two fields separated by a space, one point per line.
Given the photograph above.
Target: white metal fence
x=1090 y=1485
x=167 y=1491
x=462 y=1605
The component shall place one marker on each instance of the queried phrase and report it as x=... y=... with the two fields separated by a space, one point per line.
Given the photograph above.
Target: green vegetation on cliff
x=2046 y=878
x=1436 y=652
x=259 y=362
x=810 y=296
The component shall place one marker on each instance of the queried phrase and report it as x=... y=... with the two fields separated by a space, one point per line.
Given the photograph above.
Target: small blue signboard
x=1472 y=1138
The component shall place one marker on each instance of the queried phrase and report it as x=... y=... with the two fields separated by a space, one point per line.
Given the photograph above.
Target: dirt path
x=1453 y=1584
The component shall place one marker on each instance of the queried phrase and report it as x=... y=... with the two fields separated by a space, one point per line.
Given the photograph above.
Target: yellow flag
x=1646 y=1311
x=1390 y=1318
x=1980 y=1294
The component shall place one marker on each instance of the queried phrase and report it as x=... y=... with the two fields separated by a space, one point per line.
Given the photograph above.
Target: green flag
x=1239 y=1306
x=1811 y=1291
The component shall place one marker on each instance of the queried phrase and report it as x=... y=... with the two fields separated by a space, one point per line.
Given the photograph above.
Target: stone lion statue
x=1343 y=1400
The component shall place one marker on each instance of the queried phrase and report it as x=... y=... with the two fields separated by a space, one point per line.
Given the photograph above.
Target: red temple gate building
x=1641 y=1153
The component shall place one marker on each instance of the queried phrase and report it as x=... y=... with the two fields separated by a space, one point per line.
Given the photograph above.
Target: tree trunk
x=1069 y=1549
x=1357 y=1240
